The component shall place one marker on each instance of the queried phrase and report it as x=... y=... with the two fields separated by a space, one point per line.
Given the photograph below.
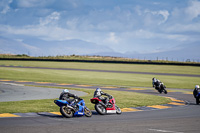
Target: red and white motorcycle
x=102 y=109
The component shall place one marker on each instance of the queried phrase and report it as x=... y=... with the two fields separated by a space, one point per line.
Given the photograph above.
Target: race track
x=178 y=119
x=19 y=92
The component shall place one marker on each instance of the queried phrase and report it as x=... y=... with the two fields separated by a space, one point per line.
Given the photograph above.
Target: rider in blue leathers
x=65 y=95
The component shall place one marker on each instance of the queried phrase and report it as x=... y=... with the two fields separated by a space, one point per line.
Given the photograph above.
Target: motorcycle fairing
x=80 y=104
x=61 y=102
x=81 y=107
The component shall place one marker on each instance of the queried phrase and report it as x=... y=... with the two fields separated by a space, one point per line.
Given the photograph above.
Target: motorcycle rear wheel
x=66 y=112
x=160 y=91
x=88 y=112
x=118 y=110
x=100 y=109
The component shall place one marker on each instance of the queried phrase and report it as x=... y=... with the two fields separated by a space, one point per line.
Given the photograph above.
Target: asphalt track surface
x=19 y=92
x=110 y=71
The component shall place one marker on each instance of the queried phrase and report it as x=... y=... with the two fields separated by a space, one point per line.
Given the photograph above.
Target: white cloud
x=184 y=28
x=164 y=13
x=114 y=25
x=50 y=19
x=138 y=10
x=31 y=3
x=42 y=31
x=72 y=24
x=112 y=38
x=144 y=34
x=193 y=10
x=4 y=4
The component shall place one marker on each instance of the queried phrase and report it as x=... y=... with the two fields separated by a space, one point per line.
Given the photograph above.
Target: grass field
x=123 y=99
x=97 y=78
x=109 y=66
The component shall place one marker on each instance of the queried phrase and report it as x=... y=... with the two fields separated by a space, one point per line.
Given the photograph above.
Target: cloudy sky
x=112 y=27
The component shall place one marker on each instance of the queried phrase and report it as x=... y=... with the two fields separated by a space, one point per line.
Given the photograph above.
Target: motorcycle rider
x=98 y=93
x=157 y=83
x=196 y=91
x=65 y=95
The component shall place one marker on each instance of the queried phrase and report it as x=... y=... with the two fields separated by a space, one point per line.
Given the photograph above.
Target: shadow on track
x=51 y=115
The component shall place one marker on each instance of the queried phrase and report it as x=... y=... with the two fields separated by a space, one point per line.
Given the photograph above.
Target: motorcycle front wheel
x=88 y=112
x=66 y=112
x=100 y=109
x=197 y=101
x=165 y=91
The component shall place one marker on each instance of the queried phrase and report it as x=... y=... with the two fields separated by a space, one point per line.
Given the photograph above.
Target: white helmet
x=65 y=90
x=154 y=79
x=98 y=89
x=196 y=86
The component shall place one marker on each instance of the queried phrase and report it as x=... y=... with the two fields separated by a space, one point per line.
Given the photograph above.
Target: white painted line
x=164 y=131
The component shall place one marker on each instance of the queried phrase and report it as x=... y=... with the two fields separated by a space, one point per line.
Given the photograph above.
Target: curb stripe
x=43 y=82
x=22 y=81
x=8 y=115
x=188 y=92
x=129 y=109
x=83 y=85
x=159 y=107
x=174 y=103
x=109 y=87
x=55 y=113
x=135 y=89
x=5 y=80
x=64 y=84
x=175 y=100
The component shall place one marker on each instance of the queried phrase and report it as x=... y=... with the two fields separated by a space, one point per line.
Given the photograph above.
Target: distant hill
x=182 y=53
x=37 y=47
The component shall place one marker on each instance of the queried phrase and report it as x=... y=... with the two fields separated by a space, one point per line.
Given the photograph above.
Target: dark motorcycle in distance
x=160 y=87
x=103 y=109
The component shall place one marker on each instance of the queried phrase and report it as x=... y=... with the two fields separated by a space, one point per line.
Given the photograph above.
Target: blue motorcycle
x=69 y=110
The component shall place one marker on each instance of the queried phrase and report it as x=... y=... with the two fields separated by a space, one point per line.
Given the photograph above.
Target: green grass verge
x=123 y=100
x=95 y=78
x=109 y=66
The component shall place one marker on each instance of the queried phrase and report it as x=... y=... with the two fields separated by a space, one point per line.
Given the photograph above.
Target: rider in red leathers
x=98 y=93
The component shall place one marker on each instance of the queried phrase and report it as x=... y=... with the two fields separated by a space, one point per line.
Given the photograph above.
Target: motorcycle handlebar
x=110 y=97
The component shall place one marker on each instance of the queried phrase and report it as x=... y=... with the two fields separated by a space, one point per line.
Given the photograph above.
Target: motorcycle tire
x=197 y=101
x=100 y=109
x=165 y=91
x=66 y=112
x=88 y=112
x=118 y=110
